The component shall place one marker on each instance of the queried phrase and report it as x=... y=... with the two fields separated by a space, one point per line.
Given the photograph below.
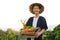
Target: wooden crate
x=27 y=35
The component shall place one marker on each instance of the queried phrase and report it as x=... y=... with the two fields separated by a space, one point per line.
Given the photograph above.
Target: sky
x=12 y=11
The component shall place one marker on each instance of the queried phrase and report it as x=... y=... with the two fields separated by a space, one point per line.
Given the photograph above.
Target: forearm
x=42 y=31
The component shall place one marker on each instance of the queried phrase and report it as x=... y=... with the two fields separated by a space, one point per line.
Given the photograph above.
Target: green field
x=13 y=35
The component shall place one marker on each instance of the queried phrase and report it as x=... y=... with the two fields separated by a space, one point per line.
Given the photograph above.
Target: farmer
x=37 y=20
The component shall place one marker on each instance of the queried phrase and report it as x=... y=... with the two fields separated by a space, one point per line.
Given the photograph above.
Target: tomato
x=29 y=30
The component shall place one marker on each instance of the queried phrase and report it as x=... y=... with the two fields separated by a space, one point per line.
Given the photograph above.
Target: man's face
x=36 y=10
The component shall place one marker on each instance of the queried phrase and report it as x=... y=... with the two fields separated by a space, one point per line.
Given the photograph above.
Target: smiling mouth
x=36 y=11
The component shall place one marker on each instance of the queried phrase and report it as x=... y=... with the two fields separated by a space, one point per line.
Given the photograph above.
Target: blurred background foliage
x=13 y=35
x=52 y=35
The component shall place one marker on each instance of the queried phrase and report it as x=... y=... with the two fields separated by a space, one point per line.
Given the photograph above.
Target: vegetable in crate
x=29 y=29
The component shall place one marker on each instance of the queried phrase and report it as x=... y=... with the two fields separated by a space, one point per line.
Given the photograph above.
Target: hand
x=37 y=34
x=36 y=29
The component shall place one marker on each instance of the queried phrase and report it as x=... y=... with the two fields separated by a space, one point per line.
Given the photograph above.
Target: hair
x=41 y=7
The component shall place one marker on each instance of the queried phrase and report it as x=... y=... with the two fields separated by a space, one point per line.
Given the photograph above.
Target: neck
x=37 y=15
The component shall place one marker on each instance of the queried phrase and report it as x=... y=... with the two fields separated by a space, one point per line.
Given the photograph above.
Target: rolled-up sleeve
x=44 y=24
